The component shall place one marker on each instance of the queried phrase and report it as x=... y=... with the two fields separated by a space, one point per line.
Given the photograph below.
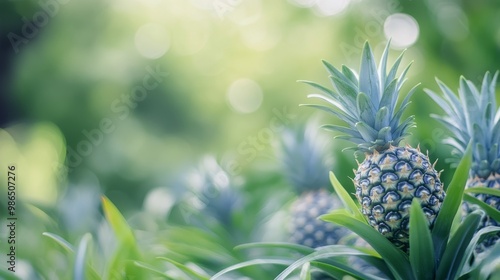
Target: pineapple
x=471 y=116
x=390 y=176
x=304 y=156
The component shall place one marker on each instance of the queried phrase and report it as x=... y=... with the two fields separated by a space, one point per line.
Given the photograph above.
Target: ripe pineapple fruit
x=390 y=176
x=474 y=115
x=304 y=155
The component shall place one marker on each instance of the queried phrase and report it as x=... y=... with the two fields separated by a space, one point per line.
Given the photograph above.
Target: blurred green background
x=122 y=98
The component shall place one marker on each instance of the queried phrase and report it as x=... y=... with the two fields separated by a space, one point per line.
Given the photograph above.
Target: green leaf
x=483 y=190
x=339 y=270
x=489 y=267
x=396 y=260
x=472 y=246
x=251 y=263
x=450 y=206
x=346 y=198
x=80 y=260
x=153 y=270
x=281 y=245
x=491 y=211
x=305 y=272
x=185 y=269
x=61 y=241
x=421 y=248
x=368 y=76
x=320 y=253
x=127 y=247
x=454 y=257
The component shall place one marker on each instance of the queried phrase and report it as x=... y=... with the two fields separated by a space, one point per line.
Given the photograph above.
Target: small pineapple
x=390 y=176
x=475 y=116
x=304 y=155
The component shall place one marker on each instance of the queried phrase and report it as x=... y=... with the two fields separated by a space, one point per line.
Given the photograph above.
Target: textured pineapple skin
x=386 y=182
x=492 y=181
x=305 y=227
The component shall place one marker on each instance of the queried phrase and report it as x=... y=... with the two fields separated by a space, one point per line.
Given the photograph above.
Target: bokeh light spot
x=244 y=96
x=402 y=28
x=152 y=40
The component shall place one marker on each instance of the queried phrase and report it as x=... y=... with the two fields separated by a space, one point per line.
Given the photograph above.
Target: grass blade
x=421 y=248
x=81 y=258
x=346 y=198
x=396 y=260
x=450 y=206
x=454 y=257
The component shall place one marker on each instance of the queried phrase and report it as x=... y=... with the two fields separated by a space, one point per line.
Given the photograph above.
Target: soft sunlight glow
x=244 y=96
x=330 y=8
x=159 y=201
x=152 y=40
x=402 y=28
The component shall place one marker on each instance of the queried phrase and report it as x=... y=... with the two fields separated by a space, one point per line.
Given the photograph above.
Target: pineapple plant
x=304 y=155
x=474 y=117
x=390 y=176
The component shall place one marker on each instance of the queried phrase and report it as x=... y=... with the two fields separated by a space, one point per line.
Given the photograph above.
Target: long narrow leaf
x=251 y=263
x=282 y=245
x=185 y=269
x=61 y=241
x=320 y=253
x=492 y=212
x=149 y=268
x=483 y=190
x=346 y=198
x=421 y=248
x=450 y=206
x=454 y=254
x=305 y=272
x=396 y=260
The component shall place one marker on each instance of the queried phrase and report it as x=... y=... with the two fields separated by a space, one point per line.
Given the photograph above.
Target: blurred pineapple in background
x=305 y=157
x=474 y=116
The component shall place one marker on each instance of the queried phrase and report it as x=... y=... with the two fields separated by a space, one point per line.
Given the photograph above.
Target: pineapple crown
x=471 y=117
x=214 y=190
x=305 y=156
x=368 y=103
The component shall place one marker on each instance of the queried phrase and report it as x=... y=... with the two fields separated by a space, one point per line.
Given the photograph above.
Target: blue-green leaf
x=421 y=247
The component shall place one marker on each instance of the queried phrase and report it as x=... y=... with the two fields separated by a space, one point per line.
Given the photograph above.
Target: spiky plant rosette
x=305 y=157
x=390 y=177
x=473 y=116
x=213 y=192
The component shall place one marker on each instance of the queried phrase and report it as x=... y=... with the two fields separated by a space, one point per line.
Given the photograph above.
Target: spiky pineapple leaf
x=454 y=257
x=486 y=266
x=480 y=234
x=396 y=260
x=237 y=266
x=451 y=204
x=491 y=211
x=421 y=247
x=346 y=198
x=185 y=269
x=320 y=253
